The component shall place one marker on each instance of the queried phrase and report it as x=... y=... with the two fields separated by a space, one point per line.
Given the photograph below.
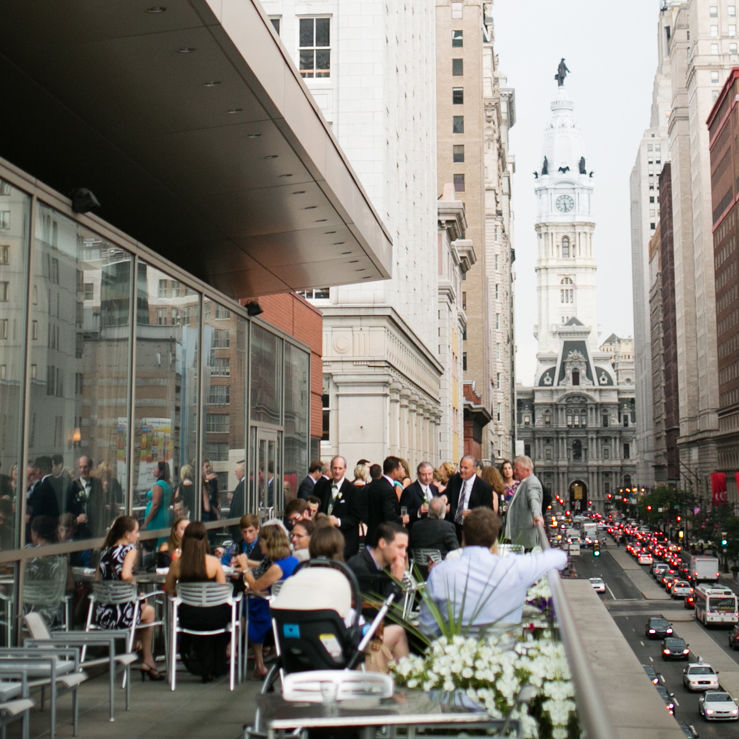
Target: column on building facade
x=394 y=416
x=403 y=438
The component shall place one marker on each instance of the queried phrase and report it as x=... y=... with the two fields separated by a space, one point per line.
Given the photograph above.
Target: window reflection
x=297 y=404
x=266 y=363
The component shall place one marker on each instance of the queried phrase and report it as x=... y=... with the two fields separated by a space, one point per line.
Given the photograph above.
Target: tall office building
x=370 y=66
x=475 y=110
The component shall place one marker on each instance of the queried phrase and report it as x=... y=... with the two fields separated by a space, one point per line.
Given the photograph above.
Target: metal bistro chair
x=120 y=592
x=14 y=701
x=207 y=595
x=421 y=558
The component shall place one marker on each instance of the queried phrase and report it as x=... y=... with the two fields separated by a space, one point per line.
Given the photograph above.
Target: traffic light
x=649 y=508
x=596 y=549
x=680 y=534
x=678 y=518
x=724 y=540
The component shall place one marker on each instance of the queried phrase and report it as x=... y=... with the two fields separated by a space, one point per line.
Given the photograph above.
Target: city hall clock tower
x=565 y=266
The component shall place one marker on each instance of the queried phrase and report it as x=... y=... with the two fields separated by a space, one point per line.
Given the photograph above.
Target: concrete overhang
x=197 y=134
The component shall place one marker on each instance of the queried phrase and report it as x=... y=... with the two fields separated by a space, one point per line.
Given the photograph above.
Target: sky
x=611 y=51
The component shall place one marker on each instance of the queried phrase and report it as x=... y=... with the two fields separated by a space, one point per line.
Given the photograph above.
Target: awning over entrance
x=195 y=132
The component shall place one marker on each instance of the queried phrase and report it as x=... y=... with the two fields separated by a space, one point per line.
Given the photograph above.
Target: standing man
x=238 y=498
x=342 y=506
x=59 y=479
x=466 y=491
x=383 y=505
x=305 y=490
x=85 y=501
x=40 y=496
x=524 y=510
x=417 y=496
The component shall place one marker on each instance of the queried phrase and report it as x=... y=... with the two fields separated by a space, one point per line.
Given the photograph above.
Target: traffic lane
x=619 y=585
x=648 y=651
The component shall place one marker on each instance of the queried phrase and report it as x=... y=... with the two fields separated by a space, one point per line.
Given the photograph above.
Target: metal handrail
x=593 y=720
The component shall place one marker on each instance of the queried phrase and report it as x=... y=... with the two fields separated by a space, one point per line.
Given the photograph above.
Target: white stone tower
x=565 y=268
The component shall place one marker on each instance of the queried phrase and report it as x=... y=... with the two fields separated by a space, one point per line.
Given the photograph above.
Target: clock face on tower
x=564 y=203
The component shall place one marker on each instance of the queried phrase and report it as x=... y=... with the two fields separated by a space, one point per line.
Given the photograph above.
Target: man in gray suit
x=524 y=510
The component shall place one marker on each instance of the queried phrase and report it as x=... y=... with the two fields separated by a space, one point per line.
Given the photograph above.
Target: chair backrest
x=114 y=592
x=310 y=640
x=36 y=626
x=204 y=594
x=422 y=556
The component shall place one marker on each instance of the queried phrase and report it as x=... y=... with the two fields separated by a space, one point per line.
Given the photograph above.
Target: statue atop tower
x=562 y=72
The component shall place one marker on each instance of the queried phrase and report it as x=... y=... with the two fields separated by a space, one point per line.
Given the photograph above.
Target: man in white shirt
x=417 y=496
x=483 y=588
x=339 y=501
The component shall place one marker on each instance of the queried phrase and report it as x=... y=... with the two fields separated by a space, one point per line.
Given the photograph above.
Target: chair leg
x=52 y=707
x=75 y=711
x=128 y=686
x=111 y=683
x=173 y=650
x=88 y=623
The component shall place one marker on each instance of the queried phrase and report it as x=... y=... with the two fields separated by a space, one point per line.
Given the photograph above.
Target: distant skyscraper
x=578 y=420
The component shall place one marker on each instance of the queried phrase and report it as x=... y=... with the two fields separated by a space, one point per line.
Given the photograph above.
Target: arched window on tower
x=575 y=377
x=565 y=247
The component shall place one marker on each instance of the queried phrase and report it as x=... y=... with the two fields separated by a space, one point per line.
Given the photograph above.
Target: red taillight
x=665 y=651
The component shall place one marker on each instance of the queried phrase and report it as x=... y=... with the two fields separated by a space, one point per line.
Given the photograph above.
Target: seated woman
x=171 y=549
x=202 y=655
x=117 y=560
x=276 y=564
x=300 y=538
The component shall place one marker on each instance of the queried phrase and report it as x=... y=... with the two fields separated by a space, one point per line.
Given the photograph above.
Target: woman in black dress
x=117 y=560
x=202 y=655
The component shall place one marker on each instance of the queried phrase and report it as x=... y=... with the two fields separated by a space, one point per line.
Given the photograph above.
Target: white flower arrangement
x=528 y=680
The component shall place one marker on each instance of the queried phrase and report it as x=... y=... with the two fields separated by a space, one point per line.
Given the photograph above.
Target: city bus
x=716 y=605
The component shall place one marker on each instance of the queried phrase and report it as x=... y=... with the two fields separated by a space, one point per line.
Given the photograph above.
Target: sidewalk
x=193 y=710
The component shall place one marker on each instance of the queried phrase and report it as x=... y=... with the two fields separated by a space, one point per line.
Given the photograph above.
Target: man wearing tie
x=342 y=505
x=465 y=492
x=84 y=501
x=417 y=496
x=238 y=499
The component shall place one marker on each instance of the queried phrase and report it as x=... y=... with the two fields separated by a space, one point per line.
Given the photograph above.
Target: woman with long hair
x=276 y=564
x=171 y=549
x=156 y=515
x=211 y=502
x=117 y=560
x=493 y=478
x=202 y=655
x=509 y=483
x=183 y=496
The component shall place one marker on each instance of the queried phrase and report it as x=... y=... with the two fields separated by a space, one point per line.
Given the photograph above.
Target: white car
x=681 y=589
x=700 y=676
x=645 y=558
x=598 y=585
x=716 y=705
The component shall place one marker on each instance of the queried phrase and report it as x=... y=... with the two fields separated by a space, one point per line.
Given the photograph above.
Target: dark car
x=734 y=637
x=657 y=628
x=673 y=647
x=689 y=601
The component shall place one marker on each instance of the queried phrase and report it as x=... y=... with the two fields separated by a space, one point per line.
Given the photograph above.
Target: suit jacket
x=413 y=498
x=382 y=505
x=480 y=497
x=305 y=490
x=41 y=502
x=322 y=491
x=523 y=507
x=238 y=508
x=347 y=509
x=431 y=533
x=94 y=507
x=372 y=582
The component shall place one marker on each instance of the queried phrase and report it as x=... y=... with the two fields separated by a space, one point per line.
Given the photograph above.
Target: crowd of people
x=373 y=523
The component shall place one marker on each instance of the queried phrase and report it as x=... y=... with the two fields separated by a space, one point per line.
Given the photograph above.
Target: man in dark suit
x=417 y=495
x=85 y=501
x=305 y=490
x=238 y=499
x=40 y=496
x=383 y=504
x=466 y=491
x=342 y=507
x=433 y=532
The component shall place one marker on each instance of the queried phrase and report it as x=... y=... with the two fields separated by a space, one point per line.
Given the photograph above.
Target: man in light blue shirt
x=480 y=587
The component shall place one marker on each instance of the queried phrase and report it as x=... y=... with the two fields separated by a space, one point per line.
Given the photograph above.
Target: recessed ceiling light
x=287 y=174
x=345 y=252
x=353 y=261
x=234 y=111
x=254 y=135
x=321 y=220
x=328 y=233
x=310 y=207
x=298 y=192
x=154 y=9
x=212 y=83
x=339 y=243
x=367 y=277
x=271 y=156
x=186 y=50
x=360 y=269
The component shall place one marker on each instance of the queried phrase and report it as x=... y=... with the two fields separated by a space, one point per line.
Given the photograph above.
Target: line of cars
x=673 y=583
x=714 y=704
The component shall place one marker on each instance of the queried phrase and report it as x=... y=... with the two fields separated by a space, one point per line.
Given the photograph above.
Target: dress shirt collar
x=338 y=485
x=389 y=479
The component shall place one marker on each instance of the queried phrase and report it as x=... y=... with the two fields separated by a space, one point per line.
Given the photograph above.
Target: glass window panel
x=457 y=38
x=12 y=358
x=323 y=62
x=457 y=67
x=458 y=152
x=306 y=31
x=457 y=95
x=167 y=373
x=307 y=62
x=322 y=31
x=459 y=183
x=224 y=435
x=48 y=585
x=266 y=361
x=79 y=406
x=458 y=124
x=297 y=404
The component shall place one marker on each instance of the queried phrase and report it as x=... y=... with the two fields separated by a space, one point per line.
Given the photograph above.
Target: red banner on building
x=718 y=487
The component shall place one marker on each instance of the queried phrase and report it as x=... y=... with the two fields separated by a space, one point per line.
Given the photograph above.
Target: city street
x=631 y=597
